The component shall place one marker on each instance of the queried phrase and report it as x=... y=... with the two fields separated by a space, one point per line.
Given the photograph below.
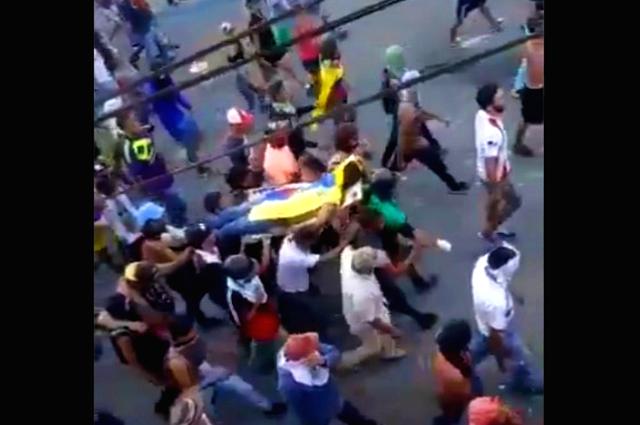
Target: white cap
x=238 y=116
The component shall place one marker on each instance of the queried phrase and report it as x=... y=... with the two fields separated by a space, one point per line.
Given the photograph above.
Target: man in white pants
x=365 y=308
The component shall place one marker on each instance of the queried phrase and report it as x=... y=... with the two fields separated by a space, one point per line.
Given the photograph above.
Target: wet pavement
x=399 y=393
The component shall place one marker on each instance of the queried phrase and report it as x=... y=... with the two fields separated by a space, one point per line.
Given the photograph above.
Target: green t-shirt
x=393 y=216
x=281 y=34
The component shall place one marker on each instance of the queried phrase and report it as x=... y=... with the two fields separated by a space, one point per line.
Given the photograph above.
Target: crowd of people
x=282 y=212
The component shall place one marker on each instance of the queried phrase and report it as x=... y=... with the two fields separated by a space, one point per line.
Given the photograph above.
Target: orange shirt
x=280 y=166
x=453 y=390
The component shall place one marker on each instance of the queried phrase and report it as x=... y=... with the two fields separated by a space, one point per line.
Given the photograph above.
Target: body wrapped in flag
x=276 y=210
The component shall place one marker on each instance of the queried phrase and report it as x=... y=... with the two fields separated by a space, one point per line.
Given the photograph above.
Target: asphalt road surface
x=399 y=393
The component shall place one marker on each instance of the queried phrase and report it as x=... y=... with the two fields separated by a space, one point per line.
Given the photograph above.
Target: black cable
x=445 y=69
x=329 y=26
x=203 y=52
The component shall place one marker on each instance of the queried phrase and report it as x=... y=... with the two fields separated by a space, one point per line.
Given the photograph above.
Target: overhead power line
x=203 y=52
x=329 y=26
x=425 y=76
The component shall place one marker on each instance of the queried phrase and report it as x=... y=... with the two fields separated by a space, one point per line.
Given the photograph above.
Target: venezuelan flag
x=300 y=199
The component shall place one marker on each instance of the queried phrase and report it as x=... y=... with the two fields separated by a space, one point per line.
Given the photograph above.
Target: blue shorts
x=464 y=7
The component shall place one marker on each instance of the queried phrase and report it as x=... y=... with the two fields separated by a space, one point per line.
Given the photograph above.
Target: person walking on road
x=532 y=96
x=493 y=305
x=175 y=113
x=144 y=33
x=297 y=310
x=304 y=379
x=365 y=307
x=187 y=365
x=463 y=8
x=415 y=143
x=492 y=163
x=456 y=381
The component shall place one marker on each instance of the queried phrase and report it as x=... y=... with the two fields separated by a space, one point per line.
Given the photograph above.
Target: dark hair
x=313 y=163
x=196 y=234
x=352 y=175
x=180 y=326
x=486 y=94
x=329 y=49
x=275 y=89
x=236 y=176
x=500 y=256
x=383 y=186
x=345 y=134
x=454 y=336
x=161 y=82
x=212 y=201
x=453 y=340
x=105 y=185
x=153 y=228
x=305 y=235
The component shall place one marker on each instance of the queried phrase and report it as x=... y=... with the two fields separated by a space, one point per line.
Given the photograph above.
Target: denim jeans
x=176 y=208
x=234 y=221
x=523 y=376
x=221 y=380
x=154 y=45
x=246 y=91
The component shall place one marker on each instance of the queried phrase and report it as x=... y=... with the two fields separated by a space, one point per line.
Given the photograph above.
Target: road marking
x=474 y=40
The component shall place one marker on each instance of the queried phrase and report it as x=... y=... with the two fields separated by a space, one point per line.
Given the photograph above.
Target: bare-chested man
x=533 y=93
x=412 y=141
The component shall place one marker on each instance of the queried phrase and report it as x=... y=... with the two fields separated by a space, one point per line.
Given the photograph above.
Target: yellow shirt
x=100 y=236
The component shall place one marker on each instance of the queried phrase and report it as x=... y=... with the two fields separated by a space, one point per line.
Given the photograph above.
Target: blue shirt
x=170 y=110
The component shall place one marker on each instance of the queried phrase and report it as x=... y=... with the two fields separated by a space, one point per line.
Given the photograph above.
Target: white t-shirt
x=362 y=298
x=293 y=267
x=491 y=142
x=492 y=302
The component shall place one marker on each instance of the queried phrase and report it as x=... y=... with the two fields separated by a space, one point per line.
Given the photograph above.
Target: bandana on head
x=253 y=291
x=394 y=60
x=491 y=411
x=291 y=358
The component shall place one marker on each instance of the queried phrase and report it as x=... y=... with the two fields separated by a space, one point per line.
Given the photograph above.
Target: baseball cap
x=237 y=116
x=148 y=211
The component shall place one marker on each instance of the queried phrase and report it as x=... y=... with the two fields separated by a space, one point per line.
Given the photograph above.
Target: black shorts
x=532 y=105
x=274 y=56
x=312 y=66
x=464 y=7
x=390 y=243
